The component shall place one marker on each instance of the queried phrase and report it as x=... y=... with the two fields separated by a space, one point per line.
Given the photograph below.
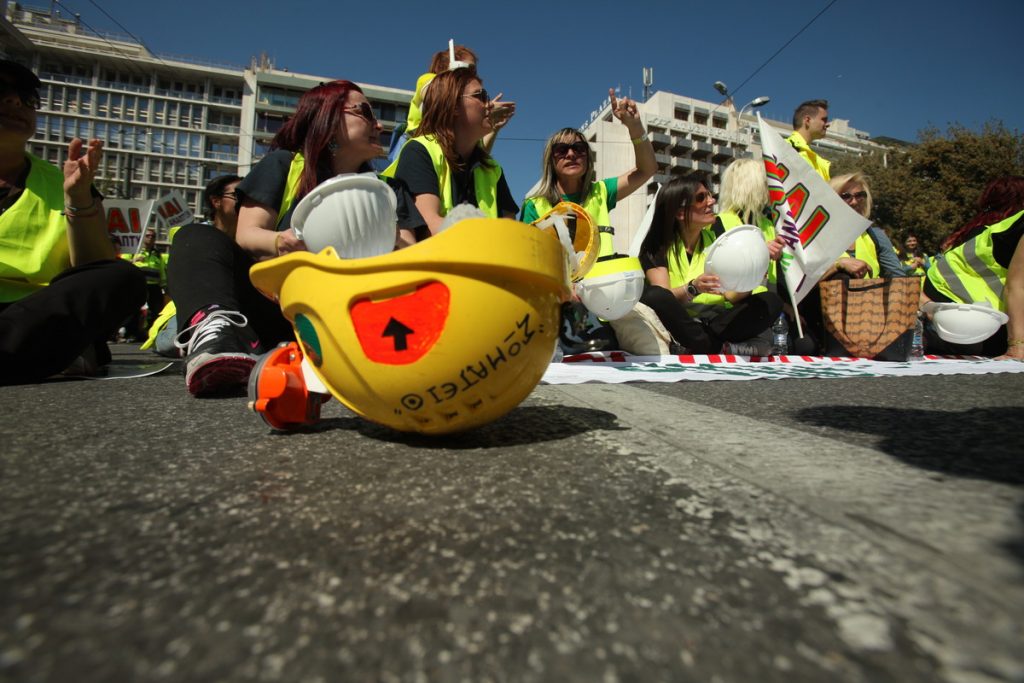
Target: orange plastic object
x=278 y=392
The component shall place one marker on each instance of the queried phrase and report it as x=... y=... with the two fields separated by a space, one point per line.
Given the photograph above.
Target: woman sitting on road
x=445 y=164
x=567 y=170
x=689 y=301
x=872 y=254
x=226 y=321
x=743 y=201
x=983 y=262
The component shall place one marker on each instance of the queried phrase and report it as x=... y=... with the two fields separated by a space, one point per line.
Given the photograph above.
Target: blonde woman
x=567 y=170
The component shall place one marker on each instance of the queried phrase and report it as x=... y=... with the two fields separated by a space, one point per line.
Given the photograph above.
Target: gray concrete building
x=166 y=122
x=692 y=135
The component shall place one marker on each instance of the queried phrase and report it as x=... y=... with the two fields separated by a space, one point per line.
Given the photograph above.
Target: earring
x=332 y=147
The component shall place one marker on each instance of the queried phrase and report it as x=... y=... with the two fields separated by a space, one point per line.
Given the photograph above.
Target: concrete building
x=691 y=135
x=167 y=122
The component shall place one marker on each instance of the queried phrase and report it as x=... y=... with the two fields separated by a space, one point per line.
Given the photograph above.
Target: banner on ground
x=809 y=216
x=126 y=221
x=617 y=367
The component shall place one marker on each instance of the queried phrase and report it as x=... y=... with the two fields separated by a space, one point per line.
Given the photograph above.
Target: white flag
x=815 y=223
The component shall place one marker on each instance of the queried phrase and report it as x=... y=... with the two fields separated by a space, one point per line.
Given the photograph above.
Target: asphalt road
x=790 y=530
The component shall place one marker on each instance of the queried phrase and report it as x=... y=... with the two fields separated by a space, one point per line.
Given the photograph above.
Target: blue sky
x=891 y=67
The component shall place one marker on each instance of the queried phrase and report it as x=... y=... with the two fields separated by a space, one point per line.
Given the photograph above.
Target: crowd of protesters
x=64 y=292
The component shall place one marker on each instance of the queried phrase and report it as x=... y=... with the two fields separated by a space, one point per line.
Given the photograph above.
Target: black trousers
x=43 y=333
x=206 y=268
x=747 y=318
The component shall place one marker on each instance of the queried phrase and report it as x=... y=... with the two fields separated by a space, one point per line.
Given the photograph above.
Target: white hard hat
x=964 y=323
x=612 y=287
x=354 y=212
x=739 y=257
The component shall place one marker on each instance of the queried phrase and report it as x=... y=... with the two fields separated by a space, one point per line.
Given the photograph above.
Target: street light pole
x=753 y=104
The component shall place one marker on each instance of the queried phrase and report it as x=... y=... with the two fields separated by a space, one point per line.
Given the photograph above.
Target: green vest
x=485 y=178
x=730 y=220
x=596 y=204
x=33 y=234
x=818 y=163
x=682 y=269
x=968 y=273
x=866 y=252
x=152 y=264
x=291 y=185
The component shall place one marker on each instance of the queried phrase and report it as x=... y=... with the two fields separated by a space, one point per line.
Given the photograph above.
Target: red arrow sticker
x=399 y=330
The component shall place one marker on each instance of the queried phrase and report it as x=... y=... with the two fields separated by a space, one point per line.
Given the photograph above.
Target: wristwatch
x=691 y=289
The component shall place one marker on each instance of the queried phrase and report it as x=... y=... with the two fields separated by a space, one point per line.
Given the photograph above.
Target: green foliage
x=930 y=189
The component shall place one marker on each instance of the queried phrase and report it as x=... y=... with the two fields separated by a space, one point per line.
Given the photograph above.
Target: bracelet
x=78 y=209
x=642 y=138
x=89 y=212
x=1015 y=342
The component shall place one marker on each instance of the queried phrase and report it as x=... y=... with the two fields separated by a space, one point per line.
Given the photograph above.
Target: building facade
x=691 y=135
x=166 y=123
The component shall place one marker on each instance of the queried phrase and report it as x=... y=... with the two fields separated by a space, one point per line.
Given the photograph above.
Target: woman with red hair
x=226 y=321
x=983 y=262
x=445 y=164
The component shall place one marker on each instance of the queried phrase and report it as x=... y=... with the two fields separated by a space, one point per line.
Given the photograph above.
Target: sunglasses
x=28 y=97
x=363 y=110
x=480 y=95
x=230 y=195
x=859 y=196
x=702 y=197
x=561 y=149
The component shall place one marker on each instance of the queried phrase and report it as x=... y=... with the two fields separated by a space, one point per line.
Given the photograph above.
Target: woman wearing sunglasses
x=872 y=254
x=689 y=301
x=445 y=164
x=225 y=320
x=567 y=170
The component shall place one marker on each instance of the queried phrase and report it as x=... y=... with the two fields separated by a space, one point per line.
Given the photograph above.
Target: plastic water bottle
x=917 y=341
x=780 y=336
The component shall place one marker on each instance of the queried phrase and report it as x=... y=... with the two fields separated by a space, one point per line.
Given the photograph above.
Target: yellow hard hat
x=573 y=227
x=443 y=336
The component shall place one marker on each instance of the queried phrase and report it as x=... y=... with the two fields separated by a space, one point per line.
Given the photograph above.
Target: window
x=682 y=114
x=718 y=122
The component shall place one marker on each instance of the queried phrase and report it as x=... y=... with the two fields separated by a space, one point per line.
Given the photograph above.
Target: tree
x=931 y=188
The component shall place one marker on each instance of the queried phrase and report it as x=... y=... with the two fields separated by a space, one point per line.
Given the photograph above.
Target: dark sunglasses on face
x=28 y=97
x=480 y=95
x=859 y=196
x=702 y=197
x=561 y=149
x=363 y=110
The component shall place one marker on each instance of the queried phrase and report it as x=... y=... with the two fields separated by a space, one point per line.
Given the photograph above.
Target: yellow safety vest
x=730 y=220
x=596 y=204
x=33 y=234
x=682 y=269
x=818 y=163
x=968 y=273
x=864 y=249
x=485 y=178
x=291 y=185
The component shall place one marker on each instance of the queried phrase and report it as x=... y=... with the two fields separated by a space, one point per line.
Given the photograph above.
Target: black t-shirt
x=1004 y=244
x=266 y=182
x=417 y=170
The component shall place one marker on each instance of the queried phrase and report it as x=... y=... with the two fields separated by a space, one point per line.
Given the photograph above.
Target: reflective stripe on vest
x=485 y=178
x=681 y=270
x=969 y=273
x=291 y=186
x=865 y=251
x=33 y=233
x=596 y=204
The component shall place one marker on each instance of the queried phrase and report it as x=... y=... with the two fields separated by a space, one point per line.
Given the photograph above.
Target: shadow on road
x=523 y=426
x=980 y=443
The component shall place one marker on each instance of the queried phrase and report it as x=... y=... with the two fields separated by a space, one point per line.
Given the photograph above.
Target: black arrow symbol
x=399 y=332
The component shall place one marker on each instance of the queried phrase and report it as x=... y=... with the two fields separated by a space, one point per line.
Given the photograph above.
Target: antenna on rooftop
x=648 y=81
